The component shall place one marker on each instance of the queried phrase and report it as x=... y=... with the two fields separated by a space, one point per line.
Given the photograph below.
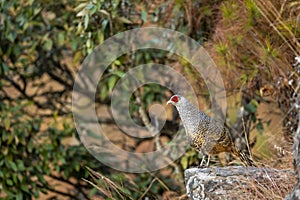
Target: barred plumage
x=205 y=134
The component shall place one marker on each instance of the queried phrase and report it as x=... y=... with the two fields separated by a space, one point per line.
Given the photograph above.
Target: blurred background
x=254 y=43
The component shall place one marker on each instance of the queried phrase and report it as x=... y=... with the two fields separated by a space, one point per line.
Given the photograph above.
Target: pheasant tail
x=245 y=158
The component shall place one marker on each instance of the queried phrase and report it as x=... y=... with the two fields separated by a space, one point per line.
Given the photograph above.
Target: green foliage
x=28 y=155
x=252 y=109
x=253 y=13
x=31 y=31
x=222 y=49
x=190 y=158
x=229 y=10
x=35 y=36
x=252 y=106
x=98 y=20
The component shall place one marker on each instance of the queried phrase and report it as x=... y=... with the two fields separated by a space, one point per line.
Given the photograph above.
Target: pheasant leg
x=204 y=161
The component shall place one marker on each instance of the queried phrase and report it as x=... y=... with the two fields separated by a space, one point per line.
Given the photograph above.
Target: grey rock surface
x=234 y=182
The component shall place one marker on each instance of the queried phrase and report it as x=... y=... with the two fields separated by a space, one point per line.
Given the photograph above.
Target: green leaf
x=253 y=118
x=66 y=173
x=104 y=12
x=254 y=102
x=19 y=196
x=48 y=45
x=10 y=138
x=11 y=36
x=60 y=39
x=77 y=167
x=259 y=126
x=36 y=194
x=119 y=73
x=39 y=169
x=89 y=6
x=63 y=160
x=117 y=62
x=74 y=44
x=184 y=162
x=41 y=178
x=80 y=7
x=77 y=57
x=5 y=67
x=30 y=146
x=4 y=136
x=86 y=21
x=16 y=50
x=6 y=123
x=15 y=179
x=93 y=10
x=124 y=20
x=252 y=106
x=111 y=83
x=100 y=36
x=24 y=188
x=5 y=151
x=57 y=168
x=88 y=43
x=144 y=15
x=21 y=166
x=13 y=166
x=9 y=182
x=44 y=190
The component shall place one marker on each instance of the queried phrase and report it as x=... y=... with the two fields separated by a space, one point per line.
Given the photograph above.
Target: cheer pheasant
x=205 y=134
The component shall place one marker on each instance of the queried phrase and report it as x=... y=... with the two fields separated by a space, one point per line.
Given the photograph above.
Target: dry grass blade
x=109 y=184
x=246 y=137
x=162 y=183
x=147 y=190
x=104 y=191
x=150 y=185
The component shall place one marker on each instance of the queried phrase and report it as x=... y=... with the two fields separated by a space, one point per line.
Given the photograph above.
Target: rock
x=237 y=182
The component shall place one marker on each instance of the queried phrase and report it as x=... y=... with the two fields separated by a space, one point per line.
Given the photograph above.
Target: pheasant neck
x=190 y=117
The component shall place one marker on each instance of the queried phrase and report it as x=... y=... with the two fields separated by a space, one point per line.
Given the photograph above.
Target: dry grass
x=258 y=40
x=267 y=187
x=252 y=39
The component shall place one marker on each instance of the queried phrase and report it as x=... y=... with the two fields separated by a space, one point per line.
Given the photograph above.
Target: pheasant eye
x=175 y=99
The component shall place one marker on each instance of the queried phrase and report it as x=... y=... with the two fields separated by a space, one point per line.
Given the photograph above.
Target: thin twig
x=162 y=183
x=110 y=183
x=246 y=136
x=148 y=188
x=105 y=192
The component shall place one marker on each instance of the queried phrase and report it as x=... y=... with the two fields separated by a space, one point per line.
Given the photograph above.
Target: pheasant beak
x=169 y=102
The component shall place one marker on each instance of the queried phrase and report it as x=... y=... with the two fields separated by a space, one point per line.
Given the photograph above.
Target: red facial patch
x=175 y=99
